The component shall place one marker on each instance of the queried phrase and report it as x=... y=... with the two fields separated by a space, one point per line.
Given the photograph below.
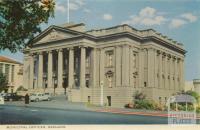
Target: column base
x=60 y=91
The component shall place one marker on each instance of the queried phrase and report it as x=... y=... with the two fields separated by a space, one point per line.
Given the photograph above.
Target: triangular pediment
x=54 y=33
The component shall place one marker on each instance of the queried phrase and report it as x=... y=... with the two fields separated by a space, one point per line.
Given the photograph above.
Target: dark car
x=13 y=97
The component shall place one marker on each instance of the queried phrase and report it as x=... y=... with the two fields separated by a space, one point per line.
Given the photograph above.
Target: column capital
x=70 y=48
x=32 y=54
x=94 y=49
x=59 y=50
x=40 y=53
x=50 y=51
x=164 y=54
x=83 y=46
x=118 y=46
x=151 y=49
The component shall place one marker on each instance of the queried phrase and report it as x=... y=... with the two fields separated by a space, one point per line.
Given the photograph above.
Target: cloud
x=107 y=17
x=189 y=16
x=76 y=4
x=147 y=16
x=60 y=8
x=176 y=23
x=182 y=20
x=86 y=10
x=73 y=6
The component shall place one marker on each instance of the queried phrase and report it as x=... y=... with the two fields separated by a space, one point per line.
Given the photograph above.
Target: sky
x=177 y=19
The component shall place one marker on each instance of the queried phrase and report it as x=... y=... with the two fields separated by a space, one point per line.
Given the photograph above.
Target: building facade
x=104 y=66
x=13 y=71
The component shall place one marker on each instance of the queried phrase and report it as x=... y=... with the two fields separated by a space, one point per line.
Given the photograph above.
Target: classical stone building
x=13 y=70
x=104 y=66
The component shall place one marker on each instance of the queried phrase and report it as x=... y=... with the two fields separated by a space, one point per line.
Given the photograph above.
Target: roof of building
x=116 y=31
x=8 y=60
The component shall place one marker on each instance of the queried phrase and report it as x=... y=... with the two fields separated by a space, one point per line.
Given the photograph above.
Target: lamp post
x=101 y=98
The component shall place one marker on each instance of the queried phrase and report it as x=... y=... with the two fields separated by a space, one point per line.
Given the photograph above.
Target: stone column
x=10 y=73
x=60 y=69
x=151 y=67
x=71 y=68
x=182 y=76
x=102 y=65
x=94 y=59
x=175 y=74
x=40 y=71
x=118 y=66
x=31 y=63
x=83 y=57
x=131 y=65
x=50 y=69
x=171 y=73
x=3 y=68
x=160 y=71
x=156 y=69
x=141 y=68
x=166 y=72
x=125 y=66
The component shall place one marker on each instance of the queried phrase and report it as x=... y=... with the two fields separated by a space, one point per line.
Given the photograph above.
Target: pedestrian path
x=133 y=112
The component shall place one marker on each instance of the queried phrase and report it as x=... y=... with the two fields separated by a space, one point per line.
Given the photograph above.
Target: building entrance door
x=109 y=100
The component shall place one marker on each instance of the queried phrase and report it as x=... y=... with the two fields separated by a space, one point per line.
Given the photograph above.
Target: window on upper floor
x=109 y=58
x=134 y=60
x=109 y=78
x=145 y=84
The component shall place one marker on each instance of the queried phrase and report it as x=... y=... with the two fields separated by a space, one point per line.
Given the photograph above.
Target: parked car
x=39 y=97
x=2 y=94
x=48 y=95
x=12 y=97
x=1 y=100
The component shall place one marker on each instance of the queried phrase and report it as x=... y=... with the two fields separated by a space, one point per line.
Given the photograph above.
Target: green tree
x=3 y=82
x=20 y=20
x=194 y=94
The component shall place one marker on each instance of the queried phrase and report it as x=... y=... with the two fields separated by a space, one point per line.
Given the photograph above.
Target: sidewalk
x=127 y=111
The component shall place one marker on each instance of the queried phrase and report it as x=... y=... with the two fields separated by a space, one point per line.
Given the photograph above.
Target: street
x=30 y=115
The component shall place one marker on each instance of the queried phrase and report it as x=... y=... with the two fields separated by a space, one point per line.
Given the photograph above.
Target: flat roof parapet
x=141 y=33
x=196 y=80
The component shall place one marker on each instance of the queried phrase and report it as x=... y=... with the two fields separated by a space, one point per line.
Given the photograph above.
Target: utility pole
x=68 y=11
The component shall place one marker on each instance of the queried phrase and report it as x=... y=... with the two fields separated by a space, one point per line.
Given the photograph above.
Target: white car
x=3 y=94
x=1 y=100
x=39 y=97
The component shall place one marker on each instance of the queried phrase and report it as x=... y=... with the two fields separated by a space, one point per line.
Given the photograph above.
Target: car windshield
x=33 y=94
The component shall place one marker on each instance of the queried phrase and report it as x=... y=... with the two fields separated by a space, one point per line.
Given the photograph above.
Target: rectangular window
x=88 y=99
x=160 y=100
x=109 y=58
x=145 y=84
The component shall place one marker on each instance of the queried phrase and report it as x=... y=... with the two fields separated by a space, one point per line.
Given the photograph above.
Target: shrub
x=144 y=104
x=198 y=109
x=21 y=88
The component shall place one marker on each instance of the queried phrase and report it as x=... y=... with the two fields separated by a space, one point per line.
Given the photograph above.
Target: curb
x=135 y=113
